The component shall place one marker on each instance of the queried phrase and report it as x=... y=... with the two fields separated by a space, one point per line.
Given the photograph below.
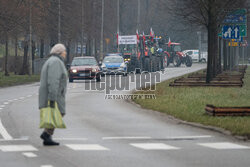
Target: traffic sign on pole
x=233 y=43
x=236 y=17
x=243 y=30
x=231 y=32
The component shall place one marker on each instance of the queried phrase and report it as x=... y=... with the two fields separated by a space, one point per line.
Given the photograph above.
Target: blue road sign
x=236 y=17
x=231 y=32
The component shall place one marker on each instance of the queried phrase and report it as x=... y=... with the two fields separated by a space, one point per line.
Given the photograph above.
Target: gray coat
x=53 y=83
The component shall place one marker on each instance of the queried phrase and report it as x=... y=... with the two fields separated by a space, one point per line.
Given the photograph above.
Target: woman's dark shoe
x=47 y=140
x=50 y=143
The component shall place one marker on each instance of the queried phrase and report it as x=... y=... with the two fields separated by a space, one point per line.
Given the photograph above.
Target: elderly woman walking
x=53 y=86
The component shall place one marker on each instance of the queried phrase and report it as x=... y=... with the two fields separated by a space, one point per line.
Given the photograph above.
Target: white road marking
x=124 y=138
x=46 y=165
x=2 y=106
x=188 y=137
x=29 y=154
x=20 y=98
x=4 y=132
x=146 y=137
x=223 y=145
x=10 y=100
x=28 y=96
x=6 y=103
x=86 y=147
x=18 y=139
x=154 y=146
x=71 y=139
x=15 y=99
x=17 y=148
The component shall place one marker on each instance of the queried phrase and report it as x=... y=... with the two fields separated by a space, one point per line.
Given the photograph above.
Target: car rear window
x=83 y=62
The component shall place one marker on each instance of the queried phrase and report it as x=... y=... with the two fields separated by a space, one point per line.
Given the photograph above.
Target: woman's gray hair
x=58 y=49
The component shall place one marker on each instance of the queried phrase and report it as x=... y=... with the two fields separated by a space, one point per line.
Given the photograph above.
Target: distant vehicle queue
x=138 y=53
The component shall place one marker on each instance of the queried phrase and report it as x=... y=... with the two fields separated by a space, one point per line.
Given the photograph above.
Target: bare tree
x=11 y=15
x=208 y=13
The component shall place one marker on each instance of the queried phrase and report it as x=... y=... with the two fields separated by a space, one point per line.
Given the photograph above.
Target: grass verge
x=188 y=104
x=13 y=80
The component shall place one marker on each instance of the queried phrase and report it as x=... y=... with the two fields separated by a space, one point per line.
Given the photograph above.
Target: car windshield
x=84 y=62
x=116 y=59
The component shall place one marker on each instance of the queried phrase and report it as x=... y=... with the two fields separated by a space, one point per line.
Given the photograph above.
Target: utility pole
x=199 y=33
x=118 y=22
x=82 y=22
x=138 y=15
x=102 y=27
x=30 y=37
x=59 y=21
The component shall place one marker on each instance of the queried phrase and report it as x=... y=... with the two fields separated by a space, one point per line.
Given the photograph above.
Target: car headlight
x=74 y=71
x=94 y=70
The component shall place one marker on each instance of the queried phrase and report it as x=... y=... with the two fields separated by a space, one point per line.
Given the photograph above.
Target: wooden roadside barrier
x=227 y=111
x=225 y=79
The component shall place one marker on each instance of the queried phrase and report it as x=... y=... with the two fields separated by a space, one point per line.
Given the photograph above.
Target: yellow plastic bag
x=51 y=118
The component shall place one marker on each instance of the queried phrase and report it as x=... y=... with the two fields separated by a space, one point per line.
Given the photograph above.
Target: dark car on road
x=83 y=68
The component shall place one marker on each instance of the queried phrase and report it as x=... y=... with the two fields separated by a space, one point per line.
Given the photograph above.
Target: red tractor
x=173 y=54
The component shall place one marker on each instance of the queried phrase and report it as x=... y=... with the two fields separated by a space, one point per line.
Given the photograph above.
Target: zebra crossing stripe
x=223 y=146
x=29 y=154
x=86 y=147
x=154 y=146
x=17 y=148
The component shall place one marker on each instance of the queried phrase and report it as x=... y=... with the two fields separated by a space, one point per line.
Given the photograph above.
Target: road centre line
x=4 y=132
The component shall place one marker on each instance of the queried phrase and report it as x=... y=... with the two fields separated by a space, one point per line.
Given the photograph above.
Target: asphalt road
x=109 y=133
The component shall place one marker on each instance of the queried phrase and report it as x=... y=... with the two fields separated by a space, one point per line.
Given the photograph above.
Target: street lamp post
x=199 y=43
x=82 y=22
x=30 y=37
x=102 y=27
x=59 y=21
x=118 y=22
x=139 y=14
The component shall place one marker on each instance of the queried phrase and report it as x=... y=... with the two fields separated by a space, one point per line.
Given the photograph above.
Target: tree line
x=80 y=23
